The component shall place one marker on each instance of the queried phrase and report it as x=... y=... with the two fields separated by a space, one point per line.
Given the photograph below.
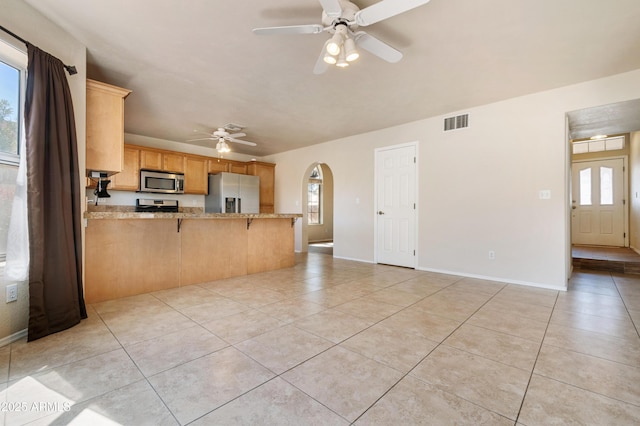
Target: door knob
x=380 y=212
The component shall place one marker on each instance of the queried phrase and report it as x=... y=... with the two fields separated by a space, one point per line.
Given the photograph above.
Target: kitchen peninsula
x=129 y=253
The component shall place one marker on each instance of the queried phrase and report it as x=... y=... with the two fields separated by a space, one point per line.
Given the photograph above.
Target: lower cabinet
x=125 y=257
x=128 y=257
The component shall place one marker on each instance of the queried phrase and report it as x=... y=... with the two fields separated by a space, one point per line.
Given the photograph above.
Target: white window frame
x=317 y=181
x=13 y=53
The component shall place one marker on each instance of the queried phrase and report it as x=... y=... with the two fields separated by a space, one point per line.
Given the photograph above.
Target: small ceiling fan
x=222 y=136
x=341 y=19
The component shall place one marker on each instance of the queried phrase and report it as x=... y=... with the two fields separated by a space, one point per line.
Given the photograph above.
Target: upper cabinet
x=150 y=160
x=238 y=167
x=173 y=162
x=128 y=179
x=267 y=173
x=105 y=127
x=167 y=161
x=196 y=178
x=196 y=169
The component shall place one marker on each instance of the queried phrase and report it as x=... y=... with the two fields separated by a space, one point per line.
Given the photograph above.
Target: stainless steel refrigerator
x=233 y=193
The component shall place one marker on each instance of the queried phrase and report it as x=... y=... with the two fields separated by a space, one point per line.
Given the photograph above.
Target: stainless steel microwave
x=161 y=182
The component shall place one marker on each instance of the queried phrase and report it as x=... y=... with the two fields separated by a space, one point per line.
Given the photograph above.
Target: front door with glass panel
x=598 y=202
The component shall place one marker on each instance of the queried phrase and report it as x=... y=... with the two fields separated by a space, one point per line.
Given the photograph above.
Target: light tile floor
x=336 y=342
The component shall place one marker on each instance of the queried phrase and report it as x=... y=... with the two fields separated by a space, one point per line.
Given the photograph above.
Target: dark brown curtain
x=56 y=299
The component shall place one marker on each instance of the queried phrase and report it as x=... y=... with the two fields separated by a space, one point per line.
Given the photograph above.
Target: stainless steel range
x=156 y=206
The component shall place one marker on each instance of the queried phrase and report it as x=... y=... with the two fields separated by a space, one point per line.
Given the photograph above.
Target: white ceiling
x=196 y=64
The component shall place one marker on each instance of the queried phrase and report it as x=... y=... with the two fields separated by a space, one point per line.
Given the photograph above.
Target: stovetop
x=157 y=206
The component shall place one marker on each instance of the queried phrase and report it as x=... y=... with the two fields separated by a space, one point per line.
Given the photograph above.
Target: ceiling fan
x=341 y=19
x=222 y=136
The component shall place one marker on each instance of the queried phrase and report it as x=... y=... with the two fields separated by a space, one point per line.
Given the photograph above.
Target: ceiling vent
x=457 y=122
x=233 y=127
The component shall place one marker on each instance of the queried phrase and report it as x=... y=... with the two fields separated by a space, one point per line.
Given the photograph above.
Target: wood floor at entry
x=598 y=202
x=396 y=205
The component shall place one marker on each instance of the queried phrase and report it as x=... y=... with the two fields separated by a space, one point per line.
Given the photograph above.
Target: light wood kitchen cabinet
x=173 y=162
x=196 y=177
x=129 y=257
x=129 y=178
x=150 y=160
x=105 y=127
x=126 y=257
x=238 y=167
x=266 y=171
x=168 y=161
x=196 y=169
x=218 y=165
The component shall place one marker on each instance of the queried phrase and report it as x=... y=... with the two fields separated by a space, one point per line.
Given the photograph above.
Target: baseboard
x=501 y=280
x=353 y=259
x=13 y=337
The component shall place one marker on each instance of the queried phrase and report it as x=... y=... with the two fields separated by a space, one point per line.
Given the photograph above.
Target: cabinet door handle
x=380 y=212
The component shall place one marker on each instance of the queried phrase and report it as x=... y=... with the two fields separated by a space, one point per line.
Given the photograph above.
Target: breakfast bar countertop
x=186 y=215
x=128 y=212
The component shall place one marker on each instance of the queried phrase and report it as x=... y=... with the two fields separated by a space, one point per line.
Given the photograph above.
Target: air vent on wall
x=457 y=122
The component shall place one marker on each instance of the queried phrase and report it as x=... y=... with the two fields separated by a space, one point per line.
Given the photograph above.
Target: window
x=585 y=187
x=13 y=63
x=606 y=186
x=314 y=197
x=598 y=145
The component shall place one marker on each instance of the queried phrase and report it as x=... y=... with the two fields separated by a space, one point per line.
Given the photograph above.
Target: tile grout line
x=533 y=368
x=626 y=307
x=144 y=377
x=433 y=350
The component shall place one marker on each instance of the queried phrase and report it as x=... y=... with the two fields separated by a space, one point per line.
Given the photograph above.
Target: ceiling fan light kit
x=341 y=19
x=222 y=136
x=350 y=51
x=222 y=146
x=342 y=62
x=335 y=43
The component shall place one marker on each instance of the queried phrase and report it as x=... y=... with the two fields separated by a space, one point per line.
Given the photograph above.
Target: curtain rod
x=71 y=69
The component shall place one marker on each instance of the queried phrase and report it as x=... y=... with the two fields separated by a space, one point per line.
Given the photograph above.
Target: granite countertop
x=127 y=212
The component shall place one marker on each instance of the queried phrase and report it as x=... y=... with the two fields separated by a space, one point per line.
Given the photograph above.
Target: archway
x=317 y=205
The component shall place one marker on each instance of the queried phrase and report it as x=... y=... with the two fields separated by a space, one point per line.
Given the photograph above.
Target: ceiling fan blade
x=237 y=135
x=377 y=47
x=385 y=9
x=239 y=141
x=321 y=66
x=332 y=8
x=202 y=139
x=292 y=29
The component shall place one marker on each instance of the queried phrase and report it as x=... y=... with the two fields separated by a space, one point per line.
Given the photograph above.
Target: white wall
x=634 y=191
x=29 y=24
x=478 y=187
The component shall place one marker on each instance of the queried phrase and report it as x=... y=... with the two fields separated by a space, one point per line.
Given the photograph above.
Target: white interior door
x=598 y=202
x=396 y=208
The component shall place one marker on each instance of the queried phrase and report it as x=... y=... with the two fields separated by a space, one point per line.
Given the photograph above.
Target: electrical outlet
x=12 y=293
x=492 y=255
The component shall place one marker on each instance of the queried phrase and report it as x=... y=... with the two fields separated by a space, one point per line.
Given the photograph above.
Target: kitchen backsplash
x=128 y=198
